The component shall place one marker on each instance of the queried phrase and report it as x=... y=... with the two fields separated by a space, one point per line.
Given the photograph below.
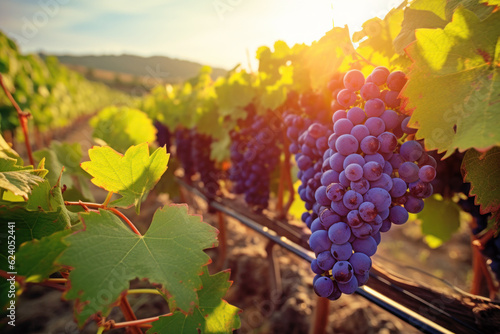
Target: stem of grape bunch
x=23 y=120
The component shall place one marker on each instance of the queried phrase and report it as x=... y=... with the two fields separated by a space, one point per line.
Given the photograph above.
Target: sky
x=220 y=33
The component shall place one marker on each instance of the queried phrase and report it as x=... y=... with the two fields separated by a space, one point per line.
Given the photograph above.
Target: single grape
x=405 y=128
x=354 y=80
x=398 y=187
x=328 y=218
x=336 y=292
x=391 y=119
x=369 y=91
x=339 y=233
x=379 y=75
x=341 y=252
x=353 y=159
x=367 y=246
x=359 y=132
x=344 y=180
x=349 y=287
x=354 y=172
x=325 y=260
x=342 y=271
x=361 y=263
x=337 y=162
x=396 y=80
x=372 y=171
x=346 y=98
x=323 y=286
x=352 y=199
x=362 y=279
x=414 y=205
x=420 y=189
x=335 y=192
x=375 y=125
x=354 y=219
x=411 y=150
x=398 y=215
x=314 y=267
x=367 y=211
x=363 y=231
x=346 y=144
x=374 y=107
x=339 y=114
x=427 y=173
x=379 y=197
x=356 y=115
x=361 y=186
x=319 y=241
x=304 y=162
x=385 y=182
x=408 y=171
x=329 y=176
x=342 y=126
x=377 y=157
x=370 y=145
x=396 y=160
x=388 y=142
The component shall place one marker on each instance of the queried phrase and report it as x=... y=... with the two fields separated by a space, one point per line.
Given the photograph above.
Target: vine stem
x=138 y=291
x=102 y=206
x=141 y=322
x=108 y=199
x=129 y=315
x=101 y=329
x=23 y=119
x=364 y=59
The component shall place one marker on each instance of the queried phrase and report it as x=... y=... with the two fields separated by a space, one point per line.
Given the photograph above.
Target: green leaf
x=491 y=2
x=440 y=219
x=482 y=171
x=7 y=152
x=234 y=92
x=107 y=255
x=68 y=156
x=454 y=92
x=19 y=179
x=213 y=315
x=131 y=175
x=220 y=148
x=35 y=259
x=122 y=127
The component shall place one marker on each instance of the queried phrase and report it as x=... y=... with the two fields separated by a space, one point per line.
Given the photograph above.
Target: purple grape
x=337 y=162
x=314 y=267
x=342 y=271
x=342 y=126
x=370 y=145
x=304 y=162
x=330 y=176
x=427 y=173
x=328 y=218
x=339 y=233
x=336 y=292
x=323 y=287
x=379 y=75
x=374 y=108
x=369 y=91
x=396 y=80
x=377 y=157
x=367 y=211
x=396 y=160
x=383 y=214
x=319 y=241
x=354 y=172
x=392 y=99
x=361 y=186
x=398 y=215
x=354 y=159
x=391 y=119
x=387 y=169
x=385 y=182
x=346 y=98
x=339 y=114
x=408 y=171
x=405 y=128
x=354 y=80
x=386 y=225
x=367 y=246
x=362 y=279
x=321 y=196
x=346 y=144
x=411 y=150
x=414 y=205
x=399 y=187
x=375 y=125
x=372 y=171
x=359 y=132
x=349 y=287
x=356 y=115
x=352 y=199
x=420 y=189
x=335 y=192
x=354 y=219
x=363 y=231
x=361 y=263
x=325 y=260
x=341 y=252
x=316 y=225
x=379 y=197
x=388 y=142
x=344 y=180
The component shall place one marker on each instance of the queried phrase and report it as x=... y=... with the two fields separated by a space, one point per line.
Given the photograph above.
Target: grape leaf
x=7 y=152
x=440 y=219
x=234 y=92
x=107 y=255
x=35 y=259
x=481 y=170
x=131 y=175
x=491 y=2
x=213 y=315
x=19 y=179
x=68 y=156
x=122 y=127
x=454 y=85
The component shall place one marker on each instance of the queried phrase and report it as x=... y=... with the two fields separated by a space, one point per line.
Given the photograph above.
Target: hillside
x=157 y=67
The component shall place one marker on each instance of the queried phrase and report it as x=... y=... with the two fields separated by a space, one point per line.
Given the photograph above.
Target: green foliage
x=453 y=93
x=7 y=152
x=67 y=156
x=213 y=315
x=19 y=180
x=106 y=255
x=440 y=219
x=481 y=170
x=122 y=127
x=36 y=259
x=131 y=175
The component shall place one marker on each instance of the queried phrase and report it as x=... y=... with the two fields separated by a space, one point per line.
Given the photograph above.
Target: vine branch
x=23 y=120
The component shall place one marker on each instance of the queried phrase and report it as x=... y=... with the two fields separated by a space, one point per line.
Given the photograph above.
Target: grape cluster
x=255 y=153
x=162 y=135
x=183 y=138
x=204 y=165
x=358 y=179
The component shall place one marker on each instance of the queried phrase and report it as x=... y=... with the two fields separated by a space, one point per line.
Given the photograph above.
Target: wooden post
x=274 y=269
x=221 y=261
x=320 y=316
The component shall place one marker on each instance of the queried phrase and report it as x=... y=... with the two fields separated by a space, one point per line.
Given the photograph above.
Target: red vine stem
x=102 y=206
x=23 y=119
x=364 y=59
x=141 y=322
x=129 y=315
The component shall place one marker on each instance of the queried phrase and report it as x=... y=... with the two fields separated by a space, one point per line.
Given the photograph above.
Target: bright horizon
x=218 y=33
